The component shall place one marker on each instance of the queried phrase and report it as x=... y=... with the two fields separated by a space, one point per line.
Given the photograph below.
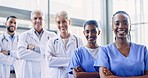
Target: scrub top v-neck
x=133 y=65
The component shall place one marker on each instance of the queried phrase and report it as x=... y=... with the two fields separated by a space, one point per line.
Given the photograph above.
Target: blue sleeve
x=75 y=61
x=146 y=58
x=102 y=58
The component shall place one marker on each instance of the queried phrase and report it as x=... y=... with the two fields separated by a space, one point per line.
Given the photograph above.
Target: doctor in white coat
x=8 y=50
x=60 y=49
x=31 y=48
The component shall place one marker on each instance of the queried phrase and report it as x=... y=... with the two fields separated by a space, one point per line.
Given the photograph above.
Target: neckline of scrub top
x=92 y=52
x=129 y=54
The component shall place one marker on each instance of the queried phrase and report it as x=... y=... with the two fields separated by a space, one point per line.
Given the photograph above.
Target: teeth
x=121 y=32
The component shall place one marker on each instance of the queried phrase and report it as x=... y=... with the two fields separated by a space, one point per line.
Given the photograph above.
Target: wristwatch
x=33 y=48
x=9 y=52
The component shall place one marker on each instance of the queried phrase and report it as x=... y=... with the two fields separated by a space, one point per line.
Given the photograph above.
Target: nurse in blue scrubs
x=81 y=65
x=122 y=58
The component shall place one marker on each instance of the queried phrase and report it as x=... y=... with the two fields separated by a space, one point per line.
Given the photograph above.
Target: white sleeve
x=53 y=60
x=24 y=53
x=13 y=53
x=7 y=60
x=4 y=59
x=58 y=61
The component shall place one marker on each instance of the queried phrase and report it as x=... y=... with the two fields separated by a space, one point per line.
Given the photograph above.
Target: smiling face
x=11 y=24
x=37 y=20
x=62 y=24
x=91 y=33
x=121 y=25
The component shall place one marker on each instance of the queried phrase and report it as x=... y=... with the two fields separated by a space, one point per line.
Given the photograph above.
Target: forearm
x=13 y=53
x=58 y=61
x=26 y=54
x=4 y=59
x=86 y=75
x=144 y=76
x=106 y=73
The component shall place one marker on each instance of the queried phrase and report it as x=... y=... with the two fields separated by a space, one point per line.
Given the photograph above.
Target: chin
x=121 y=37
x=63 y=31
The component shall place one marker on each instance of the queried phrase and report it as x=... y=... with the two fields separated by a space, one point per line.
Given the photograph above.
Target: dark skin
x=91 y=33
x=121 y=27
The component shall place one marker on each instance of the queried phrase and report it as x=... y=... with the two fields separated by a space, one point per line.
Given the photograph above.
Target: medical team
x=38 y=53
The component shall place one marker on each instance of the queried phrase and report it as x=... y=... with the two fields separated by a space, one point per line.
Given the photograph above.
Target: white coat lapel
x=33 y=35
x=6 y=41
x=6 y=35
x=45 y=37
x=71 y=40
x=60 y=40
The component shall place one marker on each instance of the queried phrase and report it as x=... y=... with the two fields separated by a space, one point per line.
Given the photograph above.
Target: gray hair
x=62 y=14
x=36 y=11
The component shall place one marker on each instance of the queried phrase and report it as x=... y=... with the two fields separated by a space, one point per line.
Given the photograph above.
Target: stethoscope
x=5 y=39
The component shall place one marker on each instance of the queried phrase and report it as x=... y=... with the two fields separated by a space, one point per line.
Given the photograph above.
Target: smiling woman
x=81 y=64
x=121 y=25
x=118 y=59
x=60 y=48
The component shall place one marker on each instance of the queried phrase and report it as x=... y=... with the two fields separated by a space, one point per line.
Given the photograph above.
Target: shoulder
x=136 y=45
x=24 y=34
x=80 y=50
x=109 y=46
x=50 y=34
x=74 y=36
x=78 y=40
x=53 y=39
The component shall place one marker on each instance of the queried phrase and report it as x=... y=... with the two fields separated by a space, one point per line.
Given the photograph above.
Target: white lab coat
x=6 y=61
x=59 y=56
x=34 y=64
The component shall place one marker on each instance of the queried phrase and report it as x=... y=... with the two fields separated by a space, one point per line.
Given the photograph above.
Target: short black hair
x=122 y=12
x=90 y=22
x=10 y=17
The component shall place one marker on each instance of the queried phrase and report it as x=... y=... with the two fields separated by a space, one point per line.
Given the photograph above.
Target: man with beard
x=8 y=50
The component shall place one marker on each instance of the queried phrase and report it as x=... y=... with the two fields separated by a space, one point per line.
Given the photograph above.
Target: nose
x=61 y=24
x=121 y=25
x=38 y=20
x=13 y=24
x=90 y=33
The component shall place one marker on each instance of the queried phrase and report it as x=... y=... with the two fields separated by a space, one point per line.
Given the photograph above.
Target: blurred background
x=79 y=11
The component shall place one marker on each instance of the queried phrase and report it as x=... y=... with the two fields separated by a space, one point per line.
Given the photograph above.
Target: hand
x=107 y=72
x=5 y=52
x=31 y=46
x=79 y=69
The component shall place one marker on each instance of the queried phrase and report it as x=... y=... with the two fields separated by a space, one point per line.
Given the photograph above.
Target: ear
x=98 y=32
x=69 y=22
x=31 y=20
x=130 y=28
x=5 y=23
x=84 y=32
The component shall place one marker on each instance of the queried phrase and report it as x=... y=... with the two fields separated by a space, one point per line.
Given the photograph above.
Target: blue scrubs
x=133 y=65
x=82 y=58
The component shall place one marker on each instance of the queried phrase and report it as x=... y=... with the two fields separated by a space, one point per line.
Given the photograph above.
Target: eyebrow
x=121 y=20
